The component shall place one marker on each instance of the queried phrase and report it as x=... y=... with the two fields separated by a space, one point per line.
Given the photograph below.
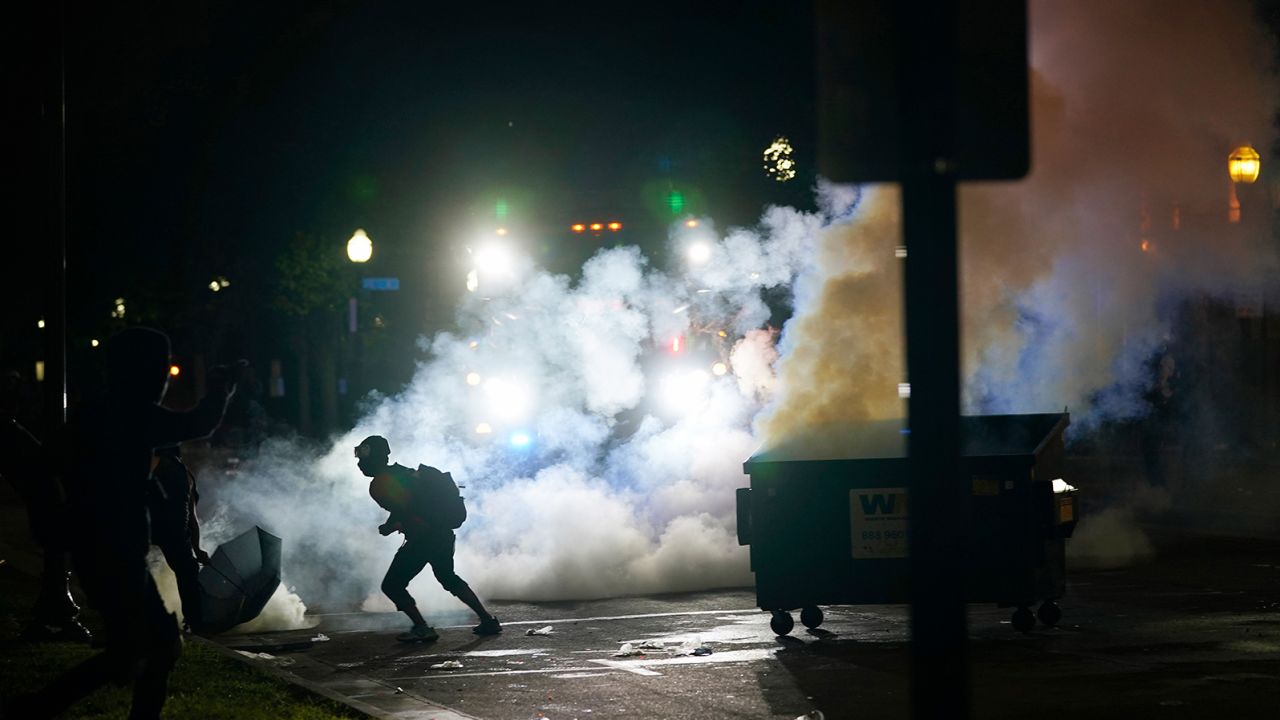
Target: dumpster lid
x=879 y=439
x=991 y=435
x=981 y=436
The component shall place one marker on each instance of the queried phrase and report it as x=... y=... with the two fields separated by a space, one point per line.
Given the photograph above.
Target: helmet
x=373 y=445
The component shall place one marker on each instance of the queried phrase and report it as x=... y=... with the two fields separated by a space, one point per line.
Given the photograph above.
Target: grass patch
x=204 y=686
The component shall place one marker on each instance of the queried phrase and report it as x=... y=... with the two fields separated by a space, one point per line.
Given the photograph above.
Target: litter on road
x=628 y=650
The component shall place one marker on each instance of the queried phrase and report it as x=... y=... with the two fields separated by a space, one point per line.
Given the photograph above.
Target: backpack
x=438 y=499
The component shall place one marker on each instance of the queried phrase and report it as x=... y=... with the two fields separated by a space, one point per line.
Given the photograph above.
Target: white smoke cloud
x=618 y=489
x=1073 y=277
x=1135 y=107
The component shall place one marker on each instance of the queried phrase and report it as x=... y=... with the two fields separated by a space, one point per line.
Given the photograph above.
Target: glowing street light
x=1243 y=165
x=495 y=260
x=507 y=399
x=359 y=247
x=684 y=392
x=699 y=253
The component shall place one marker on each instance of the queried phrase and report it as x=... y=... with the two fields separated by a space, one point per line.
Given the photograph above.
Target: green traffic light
x=675 y=201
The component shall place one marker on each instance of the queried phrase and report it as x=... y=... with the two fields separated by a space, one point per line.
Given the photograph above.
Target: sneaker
x=419 y=633
x=491 y=626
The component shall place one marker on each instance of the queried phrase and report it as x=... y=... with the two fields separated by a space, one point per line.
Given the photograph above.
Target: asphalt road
x=1192 y=632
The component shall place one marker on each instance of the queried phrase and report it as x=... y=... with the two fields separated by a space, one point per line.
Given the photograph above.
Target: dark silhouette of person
x=112 y=441
x=55 y=615
x=395 y=488
x=175 y=527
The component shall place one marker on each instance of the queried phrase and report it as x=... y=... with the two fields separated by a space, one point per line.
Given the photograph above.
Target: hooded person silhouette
x=428 y=539
x=112 y=443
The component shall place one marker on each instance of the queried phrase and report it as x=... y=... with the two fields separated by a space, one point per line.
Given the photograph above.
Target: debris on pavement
x=628 y=650
x=540 y=631
x=447 y=665
x=399 y=690
x=812 y=715
x=320 y=638
x=690 y=647
x=652 y=645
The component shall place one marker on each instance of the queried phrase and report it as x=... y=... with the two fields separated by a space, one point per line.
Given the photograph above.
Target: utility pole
x=939 y=499
x=927 y=94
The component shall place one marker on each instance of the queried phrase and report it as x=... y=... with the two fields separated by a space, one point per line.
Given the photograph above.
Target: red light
x=676 y=343
x=577 y=227
x=615 y=226
x=596 y=227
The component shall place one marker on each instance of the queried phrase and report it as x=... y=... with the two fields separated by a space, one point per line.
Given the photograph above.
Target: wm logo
x=883 y=503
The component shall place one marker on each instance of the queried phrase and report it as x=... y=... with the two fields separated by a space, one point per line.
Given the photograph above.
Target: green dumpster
x=835 y=530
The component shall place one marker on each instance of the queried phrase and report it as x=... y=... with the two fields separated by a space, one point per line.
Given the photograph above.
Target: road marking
x=635 y=667
x=631 y=667
x=443 y=675
x=541 y=622
x=552 y=621
x=716 y=657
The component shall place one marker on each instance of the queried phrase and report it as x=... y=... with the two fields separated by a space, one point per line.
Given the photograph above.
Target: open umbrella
x=239 y=579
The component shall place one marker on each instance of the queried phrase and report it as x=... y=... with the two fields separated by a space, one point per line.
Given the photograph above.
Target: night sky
x=203 y=136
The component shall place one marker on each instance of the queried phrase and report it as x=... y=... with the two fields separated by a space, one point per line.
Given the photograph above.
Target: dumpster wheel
x=811 y=617
x=781 y=622
x=1023 y=619
x=1049 y=613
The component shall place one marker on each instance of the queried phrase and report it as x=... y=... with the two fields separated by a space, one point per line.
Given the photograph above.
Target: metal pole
x=939 y=500
x=55 y=270
x=55 y=612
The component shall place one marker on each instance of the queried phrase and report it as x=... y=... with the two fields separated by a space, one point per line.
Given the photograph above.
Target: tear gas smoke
x=1136 y=105
x=1076 y=279
x=585 y=485
x=1110 y=538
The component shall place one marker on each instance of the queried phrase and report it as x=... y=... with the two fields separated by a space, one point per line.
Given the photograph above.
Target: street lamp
x=1243 y=164
x=359 y=247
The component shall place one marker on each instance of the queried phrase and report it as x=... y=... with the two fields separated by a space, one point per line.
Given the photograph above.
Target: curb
x=392 y=703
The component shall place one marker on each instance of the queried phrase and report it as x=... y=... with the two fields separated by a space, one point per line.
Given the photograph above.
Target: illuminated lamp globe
x=359 y=247
x=1243 y=164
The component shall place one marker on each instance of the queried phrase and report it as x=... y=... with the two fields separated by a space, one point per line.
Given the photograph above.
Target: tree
x=311 y=281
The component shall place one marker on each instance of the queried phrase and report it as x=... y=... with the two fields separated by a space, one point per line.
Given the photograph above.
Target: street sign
x=864 y=96
x=380 y=284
